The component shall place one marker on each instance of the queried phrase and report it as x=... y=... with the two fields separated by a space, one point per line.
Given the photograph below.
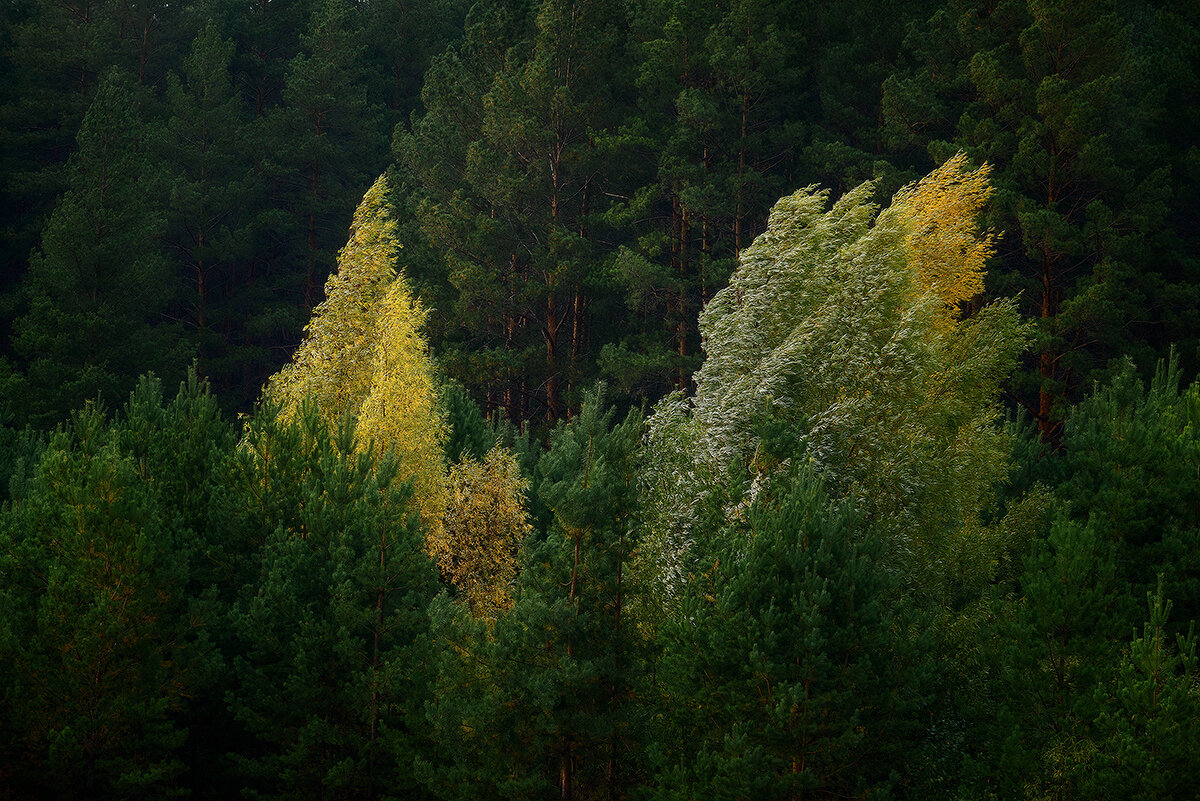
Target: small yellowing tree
x=485 y=525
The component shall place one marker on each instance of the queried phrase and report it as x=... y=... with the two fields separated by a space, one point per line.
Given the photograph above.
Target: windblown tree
x=841 y=341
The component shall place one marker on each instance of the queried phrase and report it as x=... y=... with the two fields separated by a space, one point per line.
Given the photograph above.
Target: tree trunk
x=681 y=323
x=1047 y=359
x=551 y=334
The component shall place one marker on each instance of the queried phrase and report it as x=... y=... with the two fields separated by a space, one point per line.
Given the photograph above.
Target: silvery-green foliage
x=826 y=328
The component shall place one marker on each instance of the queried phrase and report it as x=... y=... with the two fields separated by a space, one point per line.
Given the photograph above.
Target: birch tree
x=364 y=354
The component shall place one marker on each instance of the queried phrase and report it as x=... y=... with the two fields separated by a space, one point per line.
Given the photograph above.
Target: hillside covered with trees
x=599 y=400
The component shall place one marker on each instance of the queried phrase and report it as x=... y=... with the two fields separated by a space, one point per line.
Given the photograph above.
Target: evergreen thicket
x=585 y=399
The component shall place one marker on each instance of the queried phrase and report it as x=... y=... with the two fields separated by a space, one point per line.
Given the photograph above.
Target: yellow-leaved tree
x=947 y=250
x=485 y=525
x=364 y=355
x=335 y=364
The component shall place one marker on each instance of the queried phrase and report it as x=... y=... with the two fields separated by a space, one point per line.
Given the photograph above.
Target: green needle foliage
x=788 y=672
x=1131 y=454
x=97 y=287
x=333 y=650
x=106 y=553
x=1151 y=719
x=541 y=704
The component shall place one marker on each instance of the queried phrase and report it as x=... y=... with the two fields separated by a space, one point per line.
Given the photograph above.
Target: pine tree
x=333 y=630
x=328 y=128
x=513 y=188
x=1129 y=462
x=1050 y=634
x=1053 y=638
x=789 y=672
x=1150 y=718
x=1062 y=98
x=541 y=703
x=103 y=642
x=210 y=188
x=99 y=285
x=187 y=451
x=470 y=435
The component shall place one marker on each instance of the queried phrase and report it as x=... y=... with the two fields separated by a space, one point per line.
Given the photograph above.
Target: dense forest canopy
x=624 y=399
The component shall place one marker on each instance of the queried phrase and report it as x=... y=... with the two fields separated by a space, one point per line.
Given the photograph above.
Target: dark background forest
x=572 y=183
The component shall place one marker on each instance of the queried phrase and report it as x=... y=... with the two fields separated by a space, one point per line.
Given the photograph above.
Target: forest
x=599 y=399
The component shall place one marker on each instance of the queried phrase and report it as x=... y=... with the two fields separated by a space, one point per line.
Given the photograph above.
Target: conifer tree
x=210 y=189
x=1150 y=718
x=102 y=641
x=470 y=435
x=555 y=674
x=721 y=90
x=1049 y=636
x=55 y=59
x=512 y=188
x=1130 y=458
x=327 y=125
x=789 y=673
x=333 y=630
x=99 y=286
x=1066 y=101
x=1052 y=642
x=186 y=451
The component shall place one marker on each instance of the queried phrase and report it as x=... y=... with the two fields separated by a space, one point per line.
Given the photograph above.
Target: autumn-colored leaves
x=364 y=355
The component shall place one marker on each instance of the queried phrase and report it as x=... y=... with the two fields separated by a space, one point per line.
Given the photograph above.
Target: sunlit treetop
x=940 y=214
x=364 y=354
x=841 y=341
x=334 y=366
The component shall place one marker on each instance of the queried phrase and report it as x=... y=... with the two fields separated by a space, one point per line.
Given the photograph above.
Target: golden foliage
x=941 y=213
x=485 y=524
x=364 y=355
x=848 y=326
x=400 y=412
x=334 y=365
